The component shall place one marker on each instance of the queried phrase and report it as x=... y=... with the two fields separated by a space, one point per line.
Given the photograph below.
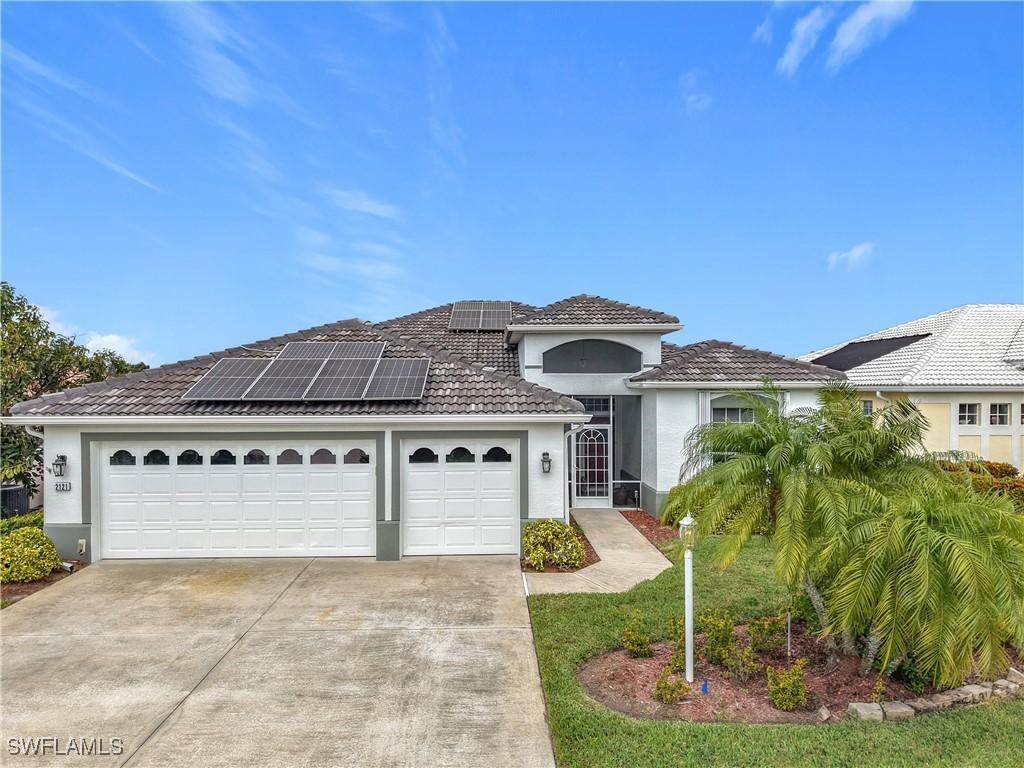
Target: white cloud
x=57 y=325
x=374 y=249
x=35 y=71
x=802 y=40
x=852 y=258
x=695 y=98
x=373 y=270
x=312 y=239
x=764 y=31
x=125 y=346
x=357 y=201
x=868 y=24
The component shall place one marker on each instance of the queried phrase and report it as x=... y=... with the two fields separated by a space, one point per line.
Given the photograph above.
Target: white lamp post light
x=686 y=533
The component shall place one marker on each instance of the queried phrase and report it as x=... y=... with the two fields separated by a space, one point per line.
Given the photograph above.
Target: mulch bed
x=653 y=531
x=13 y=592
x=589 y=554
x=625 y=684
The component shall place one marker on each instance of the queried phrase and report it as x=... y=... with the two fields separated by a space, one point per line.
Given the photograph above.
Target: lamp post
x=686 y=533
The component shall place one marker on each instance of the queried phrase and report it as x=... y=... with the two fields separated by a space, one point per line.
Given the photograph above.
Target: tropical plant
x=552 y=542
x=38 y=360
x=719 y=643
x=668 y=689
x=635 y=639
x=27 y=554
x=787 y=688
x=766 y=633
x=886 y=545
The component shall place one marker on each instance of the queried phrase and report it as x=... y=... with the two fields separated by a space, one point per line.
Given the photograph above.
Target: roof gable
x=586 y=309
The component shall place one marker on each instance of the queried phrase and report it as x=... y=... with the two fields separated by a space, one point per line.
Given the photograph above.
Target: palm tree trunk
x=818 y=602
x=867 y=660
x=849 y=645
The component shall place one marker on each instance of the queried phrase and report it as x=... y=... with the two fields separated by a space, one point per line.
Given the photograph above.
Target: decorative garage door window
x=222 y=457
x=460 y=455
x=497 y=454
x=289 y=456
x=357 y=456
x=323 y=456
x=156 y=458
x=190 y=458
x=423 y=456
x=122 y=459
x=256 y=456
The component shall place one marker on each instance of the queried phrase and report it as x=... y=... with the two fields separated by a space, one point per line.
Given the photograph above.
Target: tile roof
x=455 y=385
x=975 y=345
x=430 y=328
x=585 y=309
x=723 y=361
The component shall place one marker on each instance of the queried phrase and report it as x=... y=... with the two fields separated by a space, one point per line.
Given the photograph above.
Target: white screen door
x=592 y=467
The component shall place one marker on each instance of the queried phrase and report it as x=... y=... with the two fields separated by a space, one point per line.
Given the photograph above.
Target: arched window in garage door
x=423 y=456
x=497 y=453
x=323 y=456
x=156 y=458
x=460 y=455
x=222 y=457
x=122 y=459
x=356 y=456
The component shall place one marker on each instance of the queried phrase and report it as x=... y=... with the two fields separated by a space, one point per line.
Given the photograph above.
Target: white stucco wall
x=531 y=360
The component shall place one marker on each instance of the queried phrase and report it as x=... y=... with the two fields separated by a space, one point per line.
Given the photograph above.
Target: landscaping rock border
x=1011 y=685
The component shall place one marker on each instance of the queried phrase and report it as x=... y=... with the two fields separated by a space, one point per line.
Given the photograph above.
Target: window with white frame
x=738 y=415
x=867 y=407
x=999 y=414
x=969 y=414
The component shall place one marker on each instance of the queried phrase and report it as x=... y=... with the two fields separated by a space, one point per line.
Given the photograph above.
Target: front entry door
x=592 y=468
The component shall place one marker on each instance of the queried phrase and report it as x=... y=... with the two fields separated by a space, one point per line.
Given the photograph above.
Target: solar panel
x=341 y=380
x=229 y=378
x=285 y=379
x=350 y=350
x=307 y=350
x=398 y=380
x=480 y=315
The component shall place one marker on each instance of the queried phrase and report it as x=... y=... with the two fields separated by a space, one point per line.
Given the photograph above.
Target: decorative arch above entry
x=592 y=356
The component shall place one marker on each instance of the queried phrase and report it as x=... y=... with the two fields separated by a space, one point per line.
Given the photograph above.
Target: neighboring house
x=964 y=367
x=439 y=432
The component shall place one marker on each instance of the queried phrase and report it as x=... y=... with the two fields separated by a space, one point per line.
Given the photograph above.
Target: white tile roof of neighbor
x=976 y=345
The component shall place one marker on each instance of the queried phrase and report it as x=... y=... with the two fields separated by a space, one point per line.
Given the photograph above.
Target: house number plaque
x=63 y=485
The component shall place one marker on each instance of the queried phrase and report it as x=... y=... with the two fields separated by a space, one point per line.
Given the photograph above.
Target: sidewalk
x=627 y=558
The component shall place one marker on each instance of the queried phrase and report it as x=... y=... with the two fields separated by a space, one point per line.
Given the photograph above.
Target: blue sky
x=181 y=178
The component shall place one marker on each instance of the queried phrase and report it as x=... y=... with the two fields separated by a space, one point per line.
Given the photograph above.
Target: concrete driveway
x=278 y=662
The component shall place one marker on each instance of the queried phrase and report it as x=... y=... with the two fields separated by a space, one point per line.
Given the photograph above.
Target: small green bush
x=912 y=676
x=552 y=542
x=28 y=520
x=767 y=633
x=787 y=688
x=668 y=689
x=635 y=640
x=27 y=555
x=719 y=643
x=741 y=663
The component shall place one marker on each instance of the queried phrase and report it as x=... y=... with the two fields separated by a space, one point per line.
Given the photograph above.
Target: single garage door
x=182 y=498
x=460 y=498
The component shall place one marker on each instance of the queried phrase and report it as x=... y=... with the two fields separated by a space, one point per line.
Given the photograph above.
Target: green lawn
x=570 y=628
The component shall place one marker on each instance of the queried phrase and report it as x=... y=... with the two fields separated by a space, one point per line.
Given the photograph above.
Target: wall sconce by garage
x=545 y=462
x=60 y=463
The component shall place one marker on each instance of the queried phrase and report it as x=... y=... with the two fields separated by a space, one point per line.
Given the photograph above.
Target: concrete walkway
x=627 y=558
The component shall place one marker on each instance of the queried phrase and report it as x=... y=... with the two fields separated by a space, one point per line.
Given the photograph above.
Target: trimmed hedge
x=997 y=469
x=552 y=542
x=27 y=554
x=997 y=476
x=28 y=520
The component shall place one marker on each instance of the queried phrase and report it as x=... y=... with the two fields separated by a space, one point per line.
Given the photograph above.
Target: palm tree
x=851 y=502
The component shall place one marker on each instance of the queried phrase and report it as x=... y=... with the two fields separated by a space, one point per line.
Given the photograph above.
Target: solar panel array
x=480 y=315
x=317 y=371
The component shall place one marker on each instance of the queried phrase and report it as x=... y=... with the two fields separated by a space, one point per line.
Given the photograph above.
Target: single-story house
x=963 y=367
x=440 y=432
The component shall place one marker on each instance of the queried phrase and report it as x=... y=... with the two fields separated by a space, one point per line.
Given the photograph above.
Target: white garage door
x=181 y=498
x=460 y=497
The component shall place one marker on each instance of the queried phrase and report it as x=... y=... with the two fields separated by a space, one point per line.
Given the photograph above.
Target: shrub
x=27 y=520
x=766 y=633
x=668 y=689
x=787 y=688
x=635 y=640
x=997 y=469
x=27 y=555
x=912 y=676
x=741 y=663
x=552 y=542
x=718 y=640
x=878 y=691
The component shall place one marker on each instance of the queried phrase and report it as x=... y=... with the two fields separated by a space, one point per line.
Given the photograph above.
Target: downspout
x=35 y=433
x=882 y=397
x=568 y=459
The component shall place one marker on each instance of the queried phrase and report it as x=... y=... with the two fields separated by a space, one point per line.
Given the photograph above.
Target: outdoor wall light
x=60 y=463
x=545 y=462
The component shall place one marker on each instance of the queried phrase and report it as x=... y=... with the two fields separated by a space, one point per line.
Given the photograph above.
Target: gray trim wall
x=65 y=537
x=88 y=438
x=651 y=500
x=523 y=436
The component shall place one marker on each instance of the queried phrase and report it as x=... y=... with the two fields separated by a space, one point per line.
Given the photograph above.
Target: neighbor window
x=1022 y=413
x=969 y=413
x=739 y=415
x=999 y=414
x=867 y=407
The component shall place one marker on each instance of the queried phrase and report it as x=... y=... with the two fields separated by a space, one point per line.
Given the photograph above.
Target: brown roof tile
x=586 y=309
x=713 y=360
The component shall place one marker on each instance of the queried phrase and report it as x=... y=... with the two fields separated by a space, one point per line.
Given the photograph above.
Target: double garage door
x=233 y=499
x=460 y=497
